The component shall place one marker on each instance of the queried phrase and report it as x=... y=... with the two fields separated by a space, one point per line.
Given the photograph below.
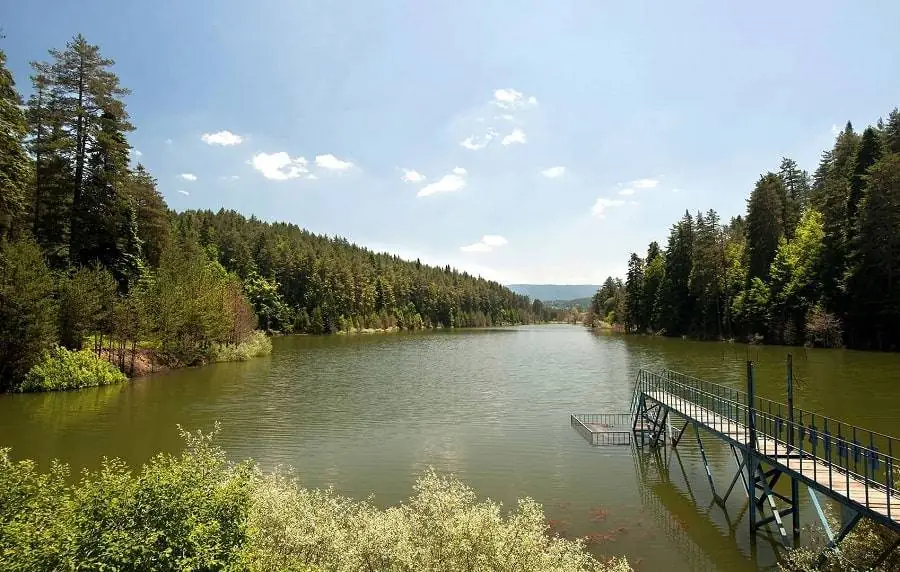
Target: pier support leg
x=706 y=463
x=738 y=474
x=833 y=539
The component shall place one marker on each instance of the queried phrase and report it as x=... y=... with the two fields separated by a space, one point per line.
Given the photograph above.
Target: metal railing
x=850 y=461
x=604 y=428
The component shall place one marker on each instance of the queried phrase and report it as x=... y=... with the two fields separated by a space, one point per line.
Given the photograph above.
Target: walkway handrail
x=850 y=453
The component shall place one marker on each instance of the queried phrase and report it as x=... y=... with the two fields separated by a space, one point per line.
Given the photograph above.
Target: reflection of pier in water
x=665 y=499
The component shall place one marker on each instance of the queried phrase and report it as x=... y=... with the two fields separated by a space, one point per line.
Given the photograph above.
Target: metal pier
x=769 y=441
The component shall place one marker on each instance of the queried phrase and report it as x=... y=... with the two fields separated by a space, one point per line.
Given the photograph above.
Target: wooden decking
x=837 y=482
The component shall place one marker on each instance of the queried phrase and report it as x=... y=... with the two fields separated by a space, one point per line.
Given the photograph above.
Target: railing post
x=750 y=452
x=795 y=484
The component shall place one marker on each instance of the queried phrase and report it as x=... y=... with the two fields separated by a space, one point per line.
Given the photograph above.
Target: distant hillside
x=555 y=291
x=567 y=304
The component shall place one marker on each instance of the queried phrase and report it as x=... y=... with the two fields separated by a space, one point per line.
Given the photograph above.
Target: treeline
x=302 y=282
x=815 y=259
x=91 y=255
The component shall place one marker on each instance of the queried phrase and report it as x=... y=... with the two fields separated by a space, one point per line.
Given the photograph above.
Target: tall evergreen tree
x=676 y=303
x=15 y=168
x=88 y=97
x=867 y=153
x=797 y=190
x=874 y=276
x=765 y=224
x=654 y=274
x=892 y=132
x=634 y=295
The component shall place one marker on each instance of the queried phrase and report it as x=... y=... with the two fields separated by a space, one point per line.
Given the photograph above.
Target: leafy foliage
x=61 y=369
x=197 y=511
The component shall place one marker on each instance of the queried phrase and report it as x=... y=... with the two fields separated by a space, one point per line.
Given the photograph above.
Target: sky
x=528 y=142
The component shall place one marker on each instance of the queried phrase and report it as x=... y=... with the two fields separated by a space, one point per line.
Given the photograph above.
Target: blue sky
x=528 y=122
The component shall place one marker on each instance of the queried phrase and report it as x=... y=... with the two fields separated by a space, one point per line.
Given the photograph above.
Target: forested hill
x=319 y=284
x=814 y=260
x=91 y=254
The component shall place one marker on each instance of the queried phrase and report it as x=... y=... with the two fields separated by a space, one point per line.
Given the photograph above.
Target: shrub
x=61 y=369
x=442 y=527
x=256 y=345
x=197 y=511
x=823 y=328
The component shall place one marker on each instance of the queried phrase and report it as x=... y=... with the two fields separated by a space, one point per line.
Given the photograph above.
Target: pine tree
x=707 y=272
x=654 y=274
x=868 y=152
x=874 y=275
x=892 y=132
x=765 y=225
x=634 y=295
x=797 y=190
x=15 y=168
x=88 y=98
x=675 y=301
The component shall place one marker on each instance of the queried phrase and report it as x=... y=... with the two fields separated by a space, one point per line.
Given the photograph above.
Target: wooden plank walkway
x=829 y=478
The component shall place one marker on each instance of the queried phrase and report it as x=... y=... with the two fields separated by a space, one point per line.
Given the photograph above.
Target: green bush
x=197 y=511
x=61 y=369
x=256 y=345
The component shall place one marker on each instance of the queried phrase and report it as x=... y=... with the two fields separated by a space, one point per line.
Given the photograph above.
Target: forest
x=96 y=269
x=814 y=260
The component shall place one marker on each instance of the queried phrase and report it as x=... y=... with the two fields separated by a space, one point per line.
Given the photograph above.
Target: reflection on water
x=367 y=414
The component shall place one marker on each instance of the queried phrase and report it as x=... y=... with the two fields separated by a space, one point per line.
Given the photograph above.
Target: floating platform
x=604 y=428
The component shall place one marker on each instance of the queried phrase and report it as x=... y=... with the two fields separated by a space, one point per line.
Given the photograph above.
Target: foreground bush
x=197 y=511
x=61 y=369
x=257 y=344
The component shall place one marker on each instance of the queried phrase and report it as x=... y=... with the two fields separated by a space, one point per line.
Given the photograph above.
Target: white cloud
x=645 y=183
x=517 y=136
x=459 y=171
x=835 y=129
x=185 y=193
x=229 y=177
x=169 y=141
x=554 y=172
x=188 y=176
x=223 y=138
x=446 y=184
x=487 y=243
x=512 y=99
x=475 y=143
x=676 y=190
x=279 y=166
x=410 y=176
x=312 y=176
x=332 y=163
x=626 y=192
x=602 y=204
x=136 y=153
x=469 y=143
x=634 y=203
x=505 y=116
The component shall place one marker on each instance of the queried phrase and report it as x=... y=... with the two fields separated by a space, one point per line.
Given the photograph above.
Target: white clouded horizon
x=223 y=138
x=626 y=192
x=487 y=243
x=602 y=204
x=554 y=172
x=185 y=193
x=188 y=176
x=517 y=136
x=332 y=163
x=459 y=171
x=279 y=166
x=645 y=183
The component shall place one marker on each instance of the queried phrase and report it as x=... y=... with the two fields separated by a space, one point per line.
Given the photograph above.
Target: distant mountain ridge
x=555 y=291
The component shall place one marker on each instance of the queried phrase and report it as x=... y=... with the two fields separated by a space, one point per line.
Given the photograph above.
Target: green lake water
x=367 y=414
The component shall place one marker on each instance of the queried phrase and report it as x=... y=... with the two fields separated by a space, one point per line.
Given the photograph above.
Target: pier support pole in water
x=795 y=484
x=750 y=452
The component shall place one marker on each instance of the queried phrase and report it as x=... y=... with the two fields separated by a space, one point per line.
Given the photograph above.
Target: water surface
x=367 y=414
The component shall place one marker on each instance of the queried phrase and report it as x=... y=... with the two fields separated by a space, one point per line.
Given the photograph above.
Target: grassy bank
x=197 y=511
